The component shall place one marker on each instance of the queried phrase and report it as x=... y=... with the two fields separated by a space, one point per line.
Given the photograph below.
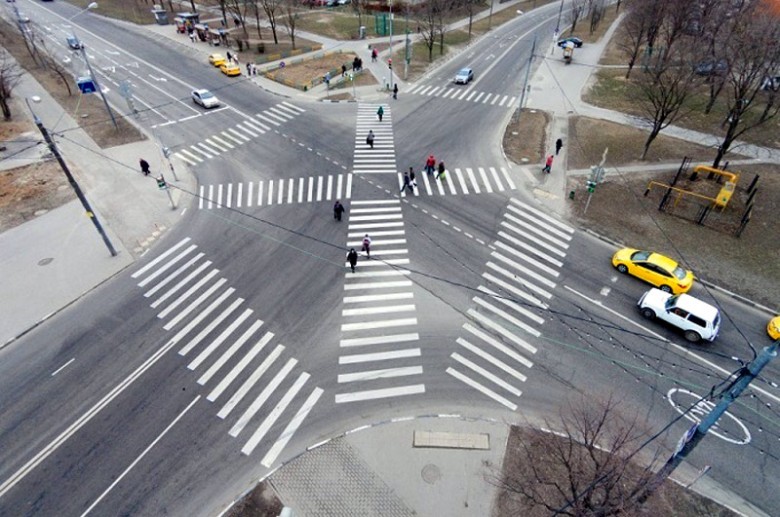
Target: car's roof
x=662 y=260
x=201 y=91
x=464 y=70
x=696 y=306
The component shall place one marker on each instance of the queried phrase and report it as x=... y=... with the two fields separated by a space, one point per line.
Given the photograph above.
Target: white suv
x=698 y=320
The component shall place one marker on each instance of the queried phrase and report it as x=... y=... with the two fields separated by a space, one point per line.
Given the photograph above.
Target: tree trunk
x=192 y=3
x=652 y=136
x=6 y=109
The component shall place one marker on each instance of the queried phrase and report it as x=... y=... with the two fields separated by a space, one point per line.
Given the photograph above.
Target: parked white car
x=698 y=320
x=205 y=98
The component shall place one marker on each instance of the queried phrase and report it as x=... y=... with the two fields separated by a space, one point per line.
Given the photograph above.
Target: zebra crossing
x=379 y=159
x=379 y=357
x=466 y=94
x=461 y=181
x=494 y=348
x=243 y=366
x=275 y=192
x=243 y=132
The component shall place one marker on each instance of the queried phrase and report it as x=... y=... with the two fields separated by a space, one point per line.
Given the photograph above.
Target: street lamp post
x=56 y=152
x=390 y=85
x=93 y=5
x=558 y=23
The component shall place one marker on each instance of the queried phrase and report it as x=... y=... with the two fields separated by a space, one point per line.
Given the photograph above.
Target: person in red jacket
x=430 y=165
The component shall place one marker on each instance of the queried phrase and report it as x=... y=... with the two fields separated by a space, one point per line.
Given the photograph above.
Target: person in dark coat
x=338 y=209
x=144 y=166
x=370 y=138
x=380 y=112
x=395 y=91
x=558 y=145
x=352 y=258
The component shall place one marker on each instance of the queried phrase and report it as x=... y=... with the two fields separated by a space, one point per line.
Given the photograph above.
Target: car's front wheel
x=648 y=313
x=692 y=336
x=622 y=268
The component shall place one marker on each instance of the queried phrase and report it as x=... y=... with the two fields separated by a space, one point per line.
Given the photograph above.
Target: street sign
x=685 y=438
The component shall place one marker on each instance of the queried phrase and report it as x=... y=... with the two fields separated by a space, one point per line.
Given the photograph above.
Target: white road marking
x=379 y=394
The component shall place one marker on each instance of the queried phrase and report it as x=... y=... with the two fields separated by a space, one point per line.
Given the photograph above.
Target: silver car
x=464 y=76
x=205 y=98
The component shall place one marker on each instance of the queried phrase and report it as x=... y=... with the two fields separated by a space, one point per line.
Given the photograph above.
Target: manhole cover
x=45 y=262
x=431 y=474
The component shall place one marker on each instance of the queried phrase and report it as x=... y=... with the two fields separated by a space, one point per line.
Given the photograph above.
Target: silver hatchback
x=465 y=76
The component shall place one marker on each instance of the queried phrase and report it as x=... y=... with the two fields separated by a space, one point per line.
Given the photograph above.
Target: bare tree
x=585 y=468
x=577 y=10
x=427 y=24
x=271 y=9
x=633 y=32
x=238 y=9
x=470 y=7
x=290 y=17
x=753 y=54
x=10 y=74
x=359 y=7
x=596 y=14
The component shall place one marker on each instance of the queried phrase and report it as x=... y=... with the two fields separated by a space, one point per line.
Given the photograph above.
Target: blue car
x=577 y=42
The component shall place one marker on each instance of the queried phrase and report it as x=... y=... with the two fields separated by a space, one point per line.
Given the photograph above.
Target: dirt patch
x=260 y=502
x=309 y=72
x=589 y=137
x=670 y=499
x=26 y=192
x=526 y=136
x=746 y=265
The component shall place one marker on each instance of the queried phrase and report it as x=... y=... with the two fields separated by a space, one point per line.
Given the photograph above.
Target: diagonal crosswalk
x=495 y=346
x=241 y=133
x=465 y=94
x=248 y=374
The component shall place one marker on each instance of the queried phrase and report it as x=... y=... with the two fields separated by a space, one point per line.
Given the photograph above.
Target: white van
x=698 y=320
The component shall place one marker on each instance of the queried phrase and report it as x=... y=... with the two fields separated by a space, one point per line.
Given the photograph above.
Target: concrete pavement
x=50 y=262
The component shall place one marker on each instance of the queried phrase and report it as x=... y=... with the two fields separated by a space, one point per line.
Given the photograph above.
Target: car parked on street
x=205 y=98
x=653 y=268
x=230 y=69
x=577 y=42
x=217 y=59
x=464 y=76
x=698 y=320
x=773 y=328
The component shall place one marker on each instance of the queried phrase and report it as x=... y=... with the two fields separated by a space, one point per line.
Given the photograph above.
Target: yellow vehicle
x=773 y=328
x=230 y=69
x=217 y=59
x=653 y=268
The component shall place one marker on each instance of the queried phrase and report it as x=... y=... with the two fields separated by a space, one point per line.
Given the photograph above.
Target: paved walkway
x=50 y=262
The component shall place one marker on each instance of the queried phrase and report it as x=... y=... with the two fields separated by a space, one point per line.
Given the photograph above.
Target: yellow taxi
x=230 y=69
x=217 y=59
x=773 y=328
x=653 y=268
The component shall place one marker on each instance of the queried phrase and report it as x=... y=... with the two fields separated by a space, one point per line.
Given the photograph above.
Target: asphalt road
x=240 y=340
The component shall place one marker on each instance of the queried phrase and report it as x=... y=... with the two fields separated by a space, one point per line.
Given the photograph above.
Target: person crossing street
x=407 y=183
x=352 y=258
x=338 y=209
x=380 y=112
x=367 y=245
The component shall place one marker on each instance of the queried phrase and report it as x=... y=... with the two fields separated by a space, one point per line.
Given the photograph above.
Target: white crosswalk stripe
x=277 y=192
x=229 y=348
x=497 y=341
x=458 y=92
x=459 y=181
x=379 y=158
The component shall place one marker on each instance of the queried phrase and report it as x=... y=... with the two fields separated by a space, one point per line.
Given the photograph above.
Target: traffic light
x=390 y=64
x=161 y=183
x=591 y=186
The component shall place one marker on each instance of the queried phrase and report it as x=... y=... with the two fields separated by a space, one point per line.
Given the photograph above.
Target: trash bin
x=160 y=16
x=362 y=32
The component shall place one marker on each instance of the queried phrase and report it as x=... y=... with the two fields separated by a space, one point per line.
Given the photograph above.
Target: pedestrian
x=352 y=257
x=367 y=245
x=548 y=164
x=235 y=58
x=343 y=70
x=144 y=166
x=254 y=69
x=360 y=63
x=407 y=183
x=249 y=69
x=370 y=138
x=430 y=165
x=192 y=36
x=229 y=56
x=356 y=64
x=338 y=209
x=558 y=145
x=374 y=55
x=411 y=177
x=395 y=91
x=237 y=22
x=380 y=112
x=442 y=175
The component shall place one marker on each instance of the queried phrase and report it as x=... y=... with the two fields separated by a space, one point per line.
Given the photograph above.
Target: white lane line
x=379 y=394
x=264 y=395
x=378 y=310
x=379 y=340
x=162 y=269
x=274 y=415
x=497 y=345
x=385 y=373
x=289 y=431
x=244 y=389
x=512 y=305
x=544 y=216
x=377 y=285
x=501 y=330
x=219 y=340
x=492 y=308
x=486 y=374
x=512 y=289
x=379 y=356
x=229 y=352
x=58 y=370
x=482 y=389
x=237 y=369
x=181 y=299
x=379 y=324
x=491 y=359
x=162 y=257
x=540 y=223
x=140 y=457
x=211 y=326
x=378 y=297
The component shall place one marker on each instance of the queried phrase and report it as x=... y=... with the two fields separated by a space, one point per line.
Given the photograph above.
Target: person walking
x=558 y=145
x=380 y=112
x=411 y=177
x=144 y=166
x=548 y=164
x=395 y=91
x=442 y=175
x=343 y=70
x=367 y=245
x=370 y=138
x=430 y=165
x=374 y=55
x=338 y=209
x=229 y=56
x=352 y=258
x=249 y=69
x=407 y=183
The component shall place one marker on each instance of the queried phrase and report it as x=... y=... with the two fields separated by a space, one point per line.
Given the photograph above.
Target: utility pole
x=390 y=85
x=527 y=73
x=695 y=434
x=72 y=181
x=97 y=85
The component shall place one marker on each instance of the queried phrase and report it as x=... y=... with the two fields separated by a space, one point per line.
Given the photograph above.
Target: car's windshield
x=679 y=273
x=640 y=255
x=206 y=95
x=465 y=71
x=671 y=302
